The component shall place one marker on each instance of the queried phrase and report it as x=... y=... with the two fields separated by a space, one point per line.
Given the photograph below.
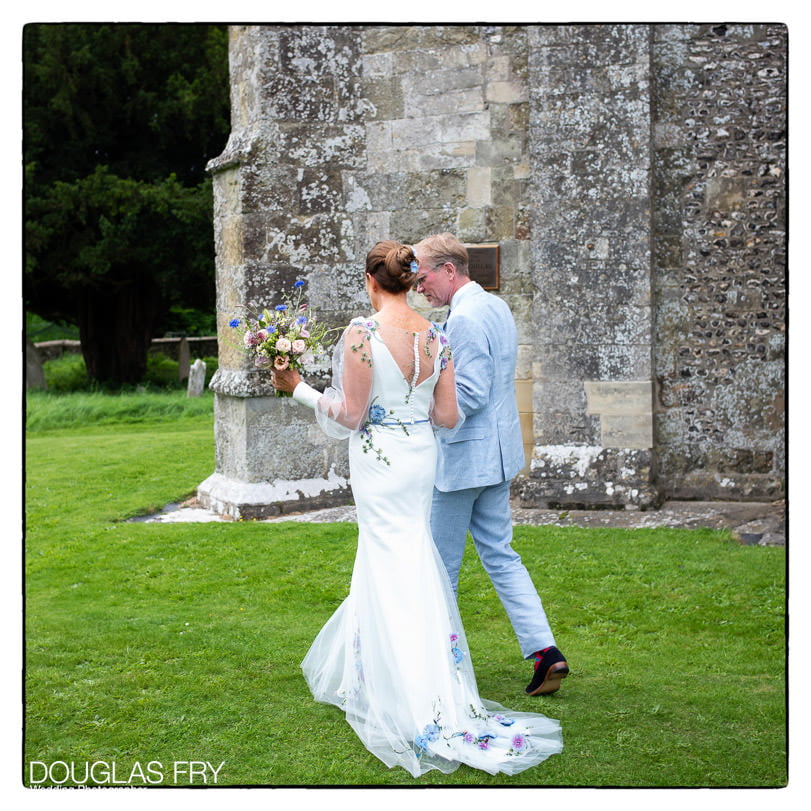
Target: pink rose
x=262 y=335
x=249 y=339
x=298 y=346
x=281 y=362
x=283 y=345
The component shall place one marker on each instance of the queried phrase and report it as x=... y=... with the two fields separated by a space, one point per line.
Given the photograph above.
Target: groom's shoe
x=550 y=669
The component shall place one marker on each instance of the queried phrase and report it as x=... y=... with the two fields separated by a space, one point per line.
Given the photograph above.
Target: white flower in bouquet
x=287 y=337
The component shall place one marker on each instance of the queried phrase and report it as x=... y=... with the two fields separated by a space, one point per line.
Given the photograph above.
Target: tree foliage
x=119 y=123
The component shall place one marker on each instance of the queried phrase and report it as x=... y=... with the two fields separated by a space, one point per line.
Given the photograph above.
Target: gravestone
x=183 y=359
x=197 y=378
x=34 y=374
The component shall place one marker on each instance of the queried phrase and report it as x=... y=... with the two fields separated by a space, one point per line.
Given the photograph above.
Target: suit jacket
x=488 y=447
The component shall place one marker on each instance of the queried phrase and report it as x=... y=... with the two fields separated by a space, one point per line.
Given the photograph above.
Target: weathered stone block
x=626 y=430
x=230 y=241
x=523 y=394
x=446 y=102
x=479 y=189
x=506 y=92
x=618 y=397
x=440 y=156
x=584 y=476
x=323 y=145
x=445 y=188
x=471 y=225
x=523 y=365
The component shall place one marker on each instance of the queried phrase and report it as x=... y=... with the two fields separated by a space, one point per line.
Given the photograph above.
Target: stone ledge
x=240 y=500
x=751 y=523
x=588 y=477
x=240 y=383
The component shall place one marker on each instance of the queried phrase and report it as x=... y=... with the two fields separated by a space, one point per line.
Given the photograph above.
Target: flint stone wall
x=633 y=178
x=719 y=266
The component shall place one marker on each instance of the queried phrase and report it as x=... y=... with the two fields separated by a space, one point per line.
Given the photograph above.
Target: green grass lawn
x=164 y=643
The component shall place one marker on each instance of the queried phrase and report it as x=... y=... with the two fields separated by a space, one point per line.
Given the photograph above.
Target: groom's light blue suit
x=477 y=462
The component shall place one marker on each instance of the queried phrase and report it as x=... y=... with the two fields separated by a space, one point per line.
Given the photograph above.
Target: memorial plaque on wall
x=483 y=265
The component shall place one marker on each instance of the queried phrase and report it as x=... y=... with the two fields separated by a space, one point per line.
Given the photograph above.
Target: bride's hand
x=285 y=379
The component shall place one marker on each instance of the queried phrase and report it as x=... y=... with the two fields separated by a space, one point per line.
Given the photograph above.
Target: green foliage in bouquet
x=289 y=336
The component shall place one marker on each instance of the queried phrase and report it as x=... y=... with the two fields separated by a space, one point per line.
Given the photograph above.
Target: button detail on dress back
x=415 y=378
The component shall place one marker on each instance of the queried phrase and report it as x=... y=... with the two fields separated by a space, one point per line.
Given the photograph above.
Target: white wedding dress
x=394 y=656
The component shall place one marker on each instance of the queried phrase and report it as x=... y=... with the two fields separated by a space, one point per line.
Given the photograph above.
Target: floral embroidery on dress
x=434 y=730
x=343 y=693
x=458 y=655
x=429 y=734
x=447 y=354
x=520 y=744
x=376 y=416
x=480 y=714
x=445 y=348
x=364 y=327
x=376 y=413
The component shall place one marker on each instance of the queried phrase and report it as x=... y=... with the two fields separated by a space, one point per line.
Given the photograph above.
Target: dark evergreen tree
x=119 y=121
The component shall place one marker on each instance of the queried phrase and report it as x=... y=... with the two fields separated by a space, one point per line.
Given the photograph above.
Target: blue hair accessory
x=415 y=265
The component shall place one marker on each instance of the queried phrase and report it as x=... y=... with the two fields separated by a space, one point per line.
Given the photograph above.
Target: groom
x=475 y=466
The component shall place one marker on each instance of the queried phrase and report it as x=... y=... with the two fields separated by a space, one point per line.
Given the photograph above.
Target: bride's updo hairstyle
x=390 y=264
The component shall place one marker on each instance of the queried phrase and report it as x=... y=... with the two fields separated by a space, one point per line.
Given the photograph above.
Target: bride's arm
x=355 y=381
x=445 y=410
x=346 y=402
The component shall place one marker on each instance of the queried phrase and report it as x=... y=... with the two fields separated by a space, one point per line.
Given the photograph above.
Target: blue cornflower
x=302 y=319
x=281 y=307
x=299 y=283
x=234 y=322
x=377 y=413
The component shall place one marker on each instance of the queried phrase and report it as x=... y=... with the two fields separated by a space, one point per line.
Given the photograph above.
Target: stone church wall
x=720 y=259
x=633 y=179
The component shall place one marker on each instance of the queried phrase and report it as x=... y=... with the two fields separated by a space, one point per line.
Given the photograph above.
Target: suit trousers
x=485 y=511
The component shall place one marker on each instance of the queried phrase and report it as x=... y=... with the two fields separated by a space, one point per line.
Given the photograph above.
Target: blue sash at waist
x=401 y=422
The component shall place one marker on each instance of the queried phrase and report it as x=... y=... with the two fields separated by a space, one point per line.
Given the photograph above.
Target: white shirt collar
x=464 y=291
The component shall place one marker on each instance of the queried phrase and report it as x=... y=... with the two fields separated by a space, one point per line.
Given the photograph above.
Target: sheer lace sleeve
x=445 y=413
x=343 y=406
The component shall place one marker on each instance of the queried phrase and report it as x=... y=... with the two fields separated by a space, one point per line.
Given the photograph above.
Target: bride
x=394 y=656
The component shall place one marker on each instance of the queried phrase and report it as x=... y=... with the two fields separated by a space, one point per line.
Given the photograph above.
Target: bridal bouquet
x=287 y=337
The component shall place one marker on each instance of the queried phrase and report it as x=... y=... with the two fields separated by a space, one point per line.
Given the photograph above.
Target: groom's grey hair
x=445 y=248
